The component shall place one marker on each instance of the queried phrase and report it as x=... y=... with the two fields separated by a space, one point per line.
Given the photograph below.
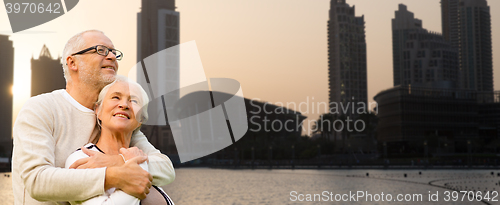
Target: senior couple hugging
x=82 y=144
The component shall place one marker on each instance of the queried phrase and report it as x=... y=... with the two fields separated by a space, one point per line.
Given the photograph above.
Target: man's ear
x=70 y=62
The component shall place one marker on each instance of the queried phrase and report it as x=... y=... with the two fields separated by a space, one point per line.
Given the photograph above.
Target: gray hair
x=143 y=112
x=74 y=44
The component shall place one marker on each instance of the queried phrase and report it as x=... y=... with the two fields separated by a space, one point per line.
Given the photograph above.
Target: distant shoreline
x=328 y=167
x=336 y=167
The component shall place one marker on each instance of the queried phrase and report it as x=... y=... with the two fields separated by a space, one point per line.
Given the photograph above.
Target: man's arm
x=164 y=174
x=160 y=166
x=34 y=155
x=118 y=197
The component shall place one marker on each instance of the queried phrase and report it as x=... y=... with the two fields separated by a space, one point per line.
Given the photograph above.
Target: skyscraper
x=158 y=29
x=346 y=56
x=46 y=73
x=6 y=83
x=467 y=25
x=421 y=58
x=449 y=21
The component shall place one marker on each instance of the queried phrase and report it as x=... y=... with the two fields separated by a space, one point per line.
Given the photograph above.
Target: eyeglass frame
x=95 y=48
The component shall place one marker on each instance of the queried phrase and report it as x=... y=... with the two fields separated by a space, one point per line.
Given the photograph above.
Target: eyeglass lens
x=103 y=50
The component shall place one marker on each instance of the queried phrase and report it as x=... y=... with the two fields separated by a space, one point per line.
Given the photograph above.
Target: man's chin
x=108 y=78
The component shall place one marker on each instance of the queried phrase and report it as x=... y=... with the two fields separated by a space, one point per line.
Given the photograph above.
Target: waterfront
x=223 y=186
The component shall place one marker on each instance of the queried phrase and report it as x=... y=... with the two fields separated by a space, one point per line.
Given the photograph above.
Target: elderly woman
x=120 y=111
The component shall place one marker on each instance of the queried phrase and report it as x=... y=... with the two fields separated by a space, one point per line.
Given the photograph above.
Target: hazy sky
x=276 y=49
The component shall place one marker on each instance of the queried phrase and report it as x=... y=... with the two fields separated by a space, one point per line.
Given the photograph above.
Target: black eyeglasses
x=102 y=50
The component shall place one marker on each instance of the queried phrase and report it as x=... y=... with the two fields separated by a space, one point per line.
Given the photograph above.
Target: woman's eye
x=135 y=101
x=115 y=97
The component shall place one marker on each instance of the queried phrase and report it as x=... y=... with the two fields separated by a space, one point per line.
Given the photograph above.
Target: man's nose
x=111 y=56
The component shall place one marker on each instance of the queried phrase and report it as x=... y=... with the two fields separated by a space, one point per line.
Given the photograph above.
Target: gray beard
x=93 y=79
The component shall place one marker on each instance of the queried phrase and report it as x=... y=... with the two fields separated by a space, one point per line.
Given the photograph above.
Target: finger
x=83 y=166
x=123 y=150
x=79 y=162
x=142 y=196
x=88 y=152
x=150 y=178
x=141 y=159
x=137 y=160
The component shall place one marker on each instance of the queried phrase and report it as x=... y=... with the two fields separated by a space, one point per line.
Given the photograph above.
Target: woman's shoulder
x=78 y=154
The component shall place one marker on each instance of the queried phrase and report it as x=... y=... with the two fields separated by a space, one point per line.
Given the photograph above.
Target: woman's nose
x=123 y=105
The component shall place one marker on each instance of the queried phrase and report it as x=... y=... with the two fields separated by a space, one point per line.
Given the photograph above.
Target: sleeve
x=74 y=157
x=34 y=147
x=160 y=166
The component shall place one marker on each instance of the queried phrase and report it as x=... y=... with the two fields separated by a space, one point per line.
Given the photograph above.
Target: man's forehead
x=97 y=38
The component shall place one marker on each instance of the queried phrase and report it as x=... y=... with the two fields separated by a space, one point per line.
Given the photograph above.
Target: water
x=219 y=186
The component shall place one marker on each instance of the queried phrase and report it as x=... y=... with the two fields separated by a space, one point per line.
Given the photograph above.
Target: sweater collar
x=75 y=103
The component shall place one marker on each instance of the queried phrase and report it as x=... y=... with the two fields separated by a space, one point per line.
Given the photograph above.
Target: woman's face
x=120 y=107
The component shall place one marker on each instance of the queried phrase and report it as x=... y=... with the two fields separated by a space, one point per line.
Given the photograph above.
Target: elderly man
x=51 y=126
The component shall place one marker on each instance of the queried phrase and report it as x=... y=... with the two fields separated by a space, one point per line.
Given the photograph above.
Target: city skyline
x=269 y=53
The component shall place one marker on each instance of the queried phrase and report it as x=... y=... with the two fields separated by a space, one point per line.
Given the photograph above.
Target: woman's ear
x=96 y=110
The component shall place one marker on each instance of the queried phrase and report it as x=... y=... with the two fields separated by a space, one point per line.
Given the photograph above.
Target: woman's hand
x=129 y=153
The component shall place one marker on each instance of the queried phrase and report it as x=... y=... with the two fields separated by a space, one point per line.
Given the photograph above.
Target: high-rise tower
x=467 y=25
x=346 y=56
x=6 y=82
x=158 y=29
x=46 y=73
x=421 y=58
x=449 y=21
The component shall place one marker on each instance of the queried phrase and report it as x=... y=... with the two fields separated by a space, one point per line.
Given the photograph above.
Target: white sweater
x=47 y=130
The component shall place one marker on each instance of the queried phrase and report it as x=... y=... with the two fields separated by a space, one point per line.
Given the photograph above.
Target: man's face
x=95 y=69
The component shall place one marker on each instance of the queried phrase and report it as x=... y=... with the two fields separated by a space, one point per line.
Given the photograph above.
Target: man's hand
x=130 y=178
x=96 y=160
x=129 y=153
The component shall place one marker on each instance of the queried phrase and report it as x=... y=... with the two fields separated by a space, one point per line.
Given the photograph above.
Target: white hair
x=73 y=45
x=142 y=115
